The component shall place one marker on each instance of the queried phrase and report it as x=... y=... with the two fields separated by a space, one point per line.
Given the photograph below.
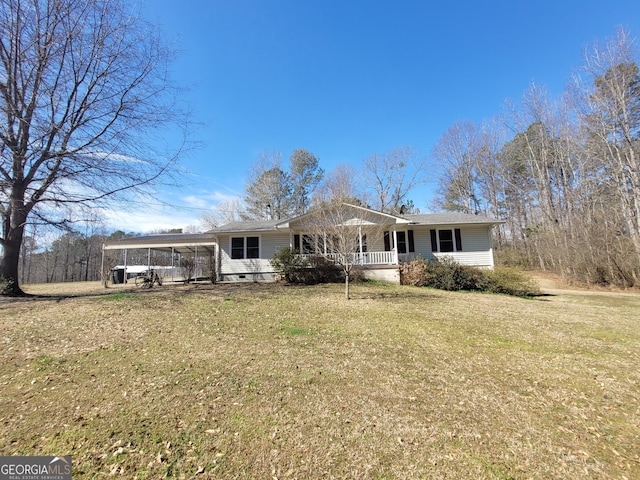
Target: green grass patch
x=297 y=331
x=119 y=296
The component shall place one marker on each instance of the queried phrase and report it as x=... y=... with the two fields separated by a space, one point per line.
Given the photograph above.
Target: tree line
x=382 y=181
x=76 y=255
x=563 y=173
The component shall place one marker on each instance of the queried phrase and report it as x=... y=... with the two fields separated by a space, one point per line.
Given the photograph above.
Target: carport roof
x=183 y=243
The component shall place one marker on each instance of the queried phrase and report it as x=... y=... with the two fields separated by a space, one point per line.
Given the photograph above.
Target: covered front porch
x=366 y=259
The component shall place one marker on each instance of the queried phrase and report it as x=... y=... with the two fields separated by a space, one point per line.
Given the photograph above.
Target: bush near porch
x=313 y=270
x=448 y=275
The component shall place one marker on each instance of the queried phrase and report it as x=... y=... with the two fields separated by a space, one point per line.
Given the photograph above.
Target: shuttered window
x=406 y=242
x=446 y=240
x=402 y=242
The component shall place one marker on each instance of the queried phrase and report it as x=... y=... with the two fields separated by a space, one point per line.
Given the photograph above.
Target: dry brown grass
x=268 y=381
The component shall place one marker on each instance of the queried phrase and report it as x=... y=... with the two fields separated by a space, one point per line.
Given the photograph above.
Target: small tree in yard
x=83 y=91
x=188 y=265
x=340 y=231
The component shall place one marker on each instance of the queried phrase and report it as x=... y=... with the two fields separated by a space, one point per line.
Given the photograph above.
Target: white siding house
x=242 y=250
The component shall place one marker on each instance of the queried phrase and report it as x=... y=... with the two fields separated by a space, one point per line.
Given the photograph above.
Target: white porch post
x=395 y=244
x=218 y=259
x=291 y=239
x=360 y=243
x=149 y=258
x=196 y=262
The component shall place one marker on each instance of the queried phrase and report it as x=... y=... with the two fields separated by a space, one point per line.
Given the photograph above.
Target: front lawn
x=271 y=381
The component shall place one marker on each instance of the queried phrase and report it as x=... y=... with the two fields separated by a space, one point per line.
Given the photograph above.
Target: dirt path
x=551 y=284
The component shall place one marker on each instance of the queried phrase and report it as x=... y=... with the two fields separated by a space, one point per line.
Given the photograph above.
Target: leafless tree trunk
x=338 y=229
x=82 y=92
x=391 y=176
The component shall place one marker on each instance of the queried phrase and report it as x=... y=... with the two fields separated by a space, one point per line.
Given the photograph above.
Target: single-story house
x=241 y=251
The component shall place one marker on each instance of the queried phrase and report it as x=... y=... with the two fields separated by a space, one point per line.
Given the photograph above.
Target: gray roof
x=418 y=219
x=450 y=219
x=179 y=242
x=163 y=238
x=246 y=226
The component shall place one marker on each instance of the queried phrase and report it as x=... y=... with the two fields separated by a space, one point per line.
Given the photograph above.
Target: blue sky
x=346 y=79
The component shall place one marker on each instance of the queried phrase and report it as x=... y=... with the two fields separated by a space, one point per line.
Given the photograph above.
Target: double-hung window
x=446 y=240
x=406 y=243
x=245 y=247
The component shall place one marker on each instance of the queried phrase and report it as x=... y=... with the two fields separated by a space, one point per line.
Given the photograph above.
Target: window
x=402 y=242
x=364 y=243
x=405 y=241
x=253 y=247
x=307 y=244
x=446 y=240
x=237 y=248
x=238 y=244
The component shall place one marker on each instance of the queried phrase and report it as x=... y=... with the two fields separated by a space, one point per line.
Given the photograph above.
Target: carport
x=194 y=245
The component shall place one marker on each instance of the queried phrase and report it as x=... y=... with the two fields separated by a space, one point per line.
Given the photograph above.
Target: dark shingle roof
x=450 y=219
x=246 y=226
x=162 y=238
x=419 y=219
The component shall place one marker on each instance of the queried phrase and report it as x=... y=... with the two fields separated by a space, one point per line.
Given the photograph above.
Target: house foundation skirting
x=383 y=273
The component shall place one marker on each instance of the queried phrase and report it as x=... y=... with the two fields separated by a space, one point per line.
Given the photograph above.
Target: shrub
x=446 y=274
x=322 y=270
x=296 y=269
x=288 y=265
x=415 y=273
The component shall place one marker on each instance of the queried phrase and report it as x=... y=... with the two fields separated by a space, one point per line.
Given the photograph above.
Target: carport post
x=149 y=259
x=196 y=273
x=125 y=266
x=172 y=253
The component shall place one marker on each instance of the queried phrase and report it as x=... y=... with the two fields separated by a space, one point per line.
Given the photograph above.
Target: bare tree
x=613 y=121
x=224 y=212
x=567 y=179
x=459 y=152
x=391 y=176
x=188 y=265
x=341 y=183
x=83 y=89
x=341 y=233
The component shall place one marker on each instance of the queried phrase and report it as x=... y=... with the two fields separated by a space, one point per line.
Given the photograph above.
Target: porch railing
x=369 y=258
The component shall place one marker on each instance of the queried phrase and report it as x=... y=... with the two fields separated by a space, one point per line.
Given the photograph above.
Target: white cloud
x=150 y=218
x=168 y=211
